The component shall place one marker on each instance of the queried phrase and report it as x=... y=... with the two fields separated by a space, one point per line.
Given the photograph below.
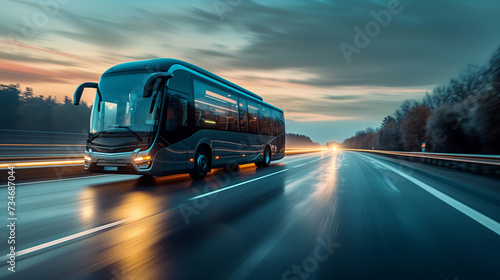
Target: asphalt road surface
x=325 y=215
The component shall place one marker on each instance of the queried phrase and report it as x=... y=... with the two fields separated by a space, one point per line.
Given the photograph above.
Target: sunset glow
x=314 y=84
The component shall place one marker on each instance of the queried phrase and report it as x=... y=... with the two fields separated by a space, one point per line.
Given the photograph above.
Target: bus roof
x=164 y=64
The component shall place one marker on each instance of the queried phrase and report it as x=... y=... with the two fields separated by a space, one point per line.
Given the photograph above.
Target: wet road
x=314 y=216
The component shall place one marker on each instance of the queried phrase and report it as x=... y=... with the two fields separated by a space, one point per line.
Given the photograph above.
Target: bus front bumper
x=118 y=163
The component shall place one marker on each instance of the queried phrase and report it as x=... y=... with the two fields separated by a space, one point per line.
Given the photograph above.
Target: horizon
x=261 y=47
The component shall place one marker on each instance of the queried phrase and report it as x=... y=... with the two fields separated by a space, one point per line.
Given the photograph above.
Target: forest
x=461 y=116
x=23 y=110
x=294 y=140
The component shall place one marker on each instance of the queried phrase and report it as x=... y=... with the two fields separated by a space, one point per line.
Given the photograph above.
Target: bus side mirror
x=80 y=89
x=151 y=81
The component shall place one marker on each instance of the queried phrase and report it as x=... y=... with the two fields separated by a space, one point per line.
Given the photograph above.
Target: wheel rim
x=267 y=159
x=202 y=162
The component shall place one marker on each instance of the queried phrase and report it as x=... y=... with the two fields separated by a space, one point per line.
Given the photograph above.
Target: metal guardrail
x=34 y=152
x=480 y=164
x=16 y=137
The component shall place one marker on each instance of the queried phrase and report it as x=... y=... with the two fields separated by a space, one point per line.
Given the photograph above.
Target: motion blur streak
x=366 y=221
x=302 y=151
x=42 y=163
x=40 y=145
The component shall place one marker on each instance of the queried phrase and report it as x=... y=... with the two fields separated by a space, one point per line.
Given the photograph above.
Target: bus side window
x=277 y=122
x=253 y=117
x=243 y=112
x=215 y=108
x=183 y=112
x=265 y=117
x=281 y=123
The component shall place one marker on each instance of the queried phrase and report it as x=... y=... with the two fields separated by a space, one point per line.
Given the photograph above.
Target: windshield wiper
x=131 y=131
x=93 y=136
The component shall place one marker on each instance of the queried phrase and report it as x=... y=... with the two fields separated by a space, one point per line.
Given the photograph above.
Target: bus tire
x=266 y=160
x=201 y=164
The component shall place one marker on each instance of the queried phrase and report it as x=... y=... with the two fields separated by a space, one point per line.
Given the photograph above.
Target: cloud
x=424 y=45
x=303 y=36
x=22 y=73
x=341 y=97
x=29 y=58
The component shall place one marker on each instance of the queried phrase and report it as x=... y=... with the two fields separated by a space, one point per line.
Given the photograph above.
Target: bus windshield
x=123 y=116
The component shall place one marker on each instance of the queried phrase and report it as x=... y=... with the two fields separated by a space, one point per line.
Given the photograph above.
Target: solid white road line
x=236 y=185
x=67 y=238
x=300 y=165
x=471 y=213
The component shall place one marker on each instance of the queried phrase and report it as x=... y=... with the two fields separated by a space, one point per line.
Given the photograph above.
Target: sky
x=334 y=67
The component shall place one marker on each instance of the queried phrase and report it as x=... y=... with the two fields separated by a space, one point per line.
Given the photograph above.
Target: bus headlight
x=87 y=158
x=141 y=159
x=143 y=162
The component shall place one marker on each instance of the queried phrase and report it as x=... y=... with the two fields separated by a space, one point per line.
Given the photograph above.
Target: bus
x=165 y=116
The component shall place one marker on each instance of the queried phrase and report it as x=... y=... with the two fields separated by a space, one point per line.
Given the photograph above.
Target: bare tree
x=494 y=69
x=444 y=131
x=389 y=137
x=388 y=120
x=483 y=123
x=413 y=128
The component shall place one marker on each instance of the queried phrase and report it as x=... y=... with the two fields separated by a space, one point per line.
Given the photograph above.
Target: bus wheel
x=266 y=160
x=201 y=164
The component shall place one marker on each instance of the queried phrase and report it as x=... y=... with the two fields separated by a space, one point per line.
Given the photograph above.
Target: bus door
x=176 y=130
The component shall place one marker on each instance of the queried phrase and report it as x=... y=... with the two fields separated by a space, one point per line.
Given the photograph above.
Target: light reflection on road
x=133 y=248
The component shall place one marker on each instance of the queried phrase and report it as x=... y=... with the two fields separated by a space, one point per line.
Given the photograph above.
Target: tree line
x=461 y=116
x=23 y=110
x=294 y=140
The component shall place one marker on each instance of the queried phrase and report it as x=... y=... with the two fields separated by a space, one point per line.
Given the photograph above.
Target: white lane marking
x=390 y=184
x=236 y=185
x=58 y=180
x=471 y=213
x=316 y=160
x=300 y=165
x=67 y=238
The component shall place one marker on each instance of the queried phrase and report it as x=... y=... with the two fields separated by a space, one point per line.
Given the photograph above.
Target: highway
x=325 y=215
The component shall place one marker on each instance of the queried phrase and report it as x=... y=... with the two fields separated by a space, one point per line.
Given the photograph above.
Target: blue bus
x=165 y=116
